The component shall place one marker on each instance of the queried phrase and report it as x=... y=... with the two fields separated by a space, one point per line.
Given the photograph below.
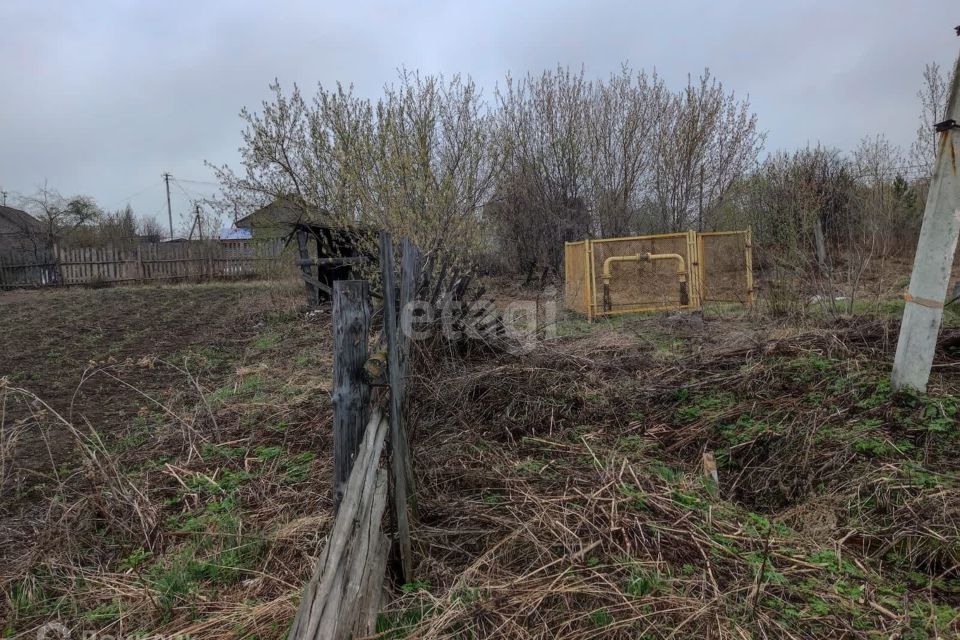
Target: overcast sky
x=100 y=98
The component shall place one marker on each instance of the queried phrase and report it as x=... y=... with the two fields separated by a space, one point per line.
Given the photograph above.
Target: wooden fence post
x=398 y=449
x=351 y=394
x=410 y=262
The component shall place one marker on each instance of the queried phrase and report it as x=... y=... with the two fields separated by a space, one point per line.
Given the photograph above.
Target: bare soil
x=101 y=359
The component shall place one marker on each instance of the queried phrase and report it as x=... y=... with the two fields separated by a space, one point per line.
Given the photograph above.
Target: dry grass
x=561 y=492
x=197 y=513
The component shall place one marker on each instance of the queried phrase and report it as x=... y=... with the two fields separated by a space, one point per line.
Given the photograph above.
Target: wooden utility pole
x=197 y=223
x=934 y=258
x=166 y=179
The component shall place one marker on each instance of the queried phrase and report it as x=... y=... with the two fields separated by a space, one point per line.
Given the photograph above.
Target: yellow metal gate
x=613 y=276
x=726 y=266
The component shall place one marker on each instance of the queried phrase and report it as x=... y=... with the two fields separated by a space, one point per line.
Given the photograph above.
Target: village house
x=20 y=233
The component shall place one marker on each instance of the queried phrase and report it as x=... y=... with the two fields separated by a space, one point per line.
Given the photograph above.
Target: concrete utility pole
x=166 y=179
x=934 y=258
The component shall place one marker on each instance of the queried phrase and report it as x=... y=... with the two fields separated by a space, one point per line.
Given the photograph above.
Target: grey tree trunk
x=820 y=245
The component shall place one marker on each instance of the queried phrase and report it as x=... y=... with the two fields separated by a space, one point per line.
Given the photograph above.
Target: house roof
x=278 y=212
x=20 y=218
x=232 y=233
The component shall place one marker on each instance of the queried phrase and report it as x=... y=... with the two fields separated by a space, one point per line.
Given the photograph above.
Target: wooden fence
x=342 y=599
x=146 y=263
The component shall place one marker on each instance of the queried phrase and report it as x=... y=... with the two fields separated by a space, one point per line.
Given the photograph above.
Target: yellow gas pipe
x=645 y=257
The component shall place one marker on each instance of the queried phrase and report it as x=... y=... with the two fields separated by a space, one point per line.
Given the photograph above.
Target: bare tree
x=626 y=113
x=60 y=216
x=547 y=179
x=150 y=230
x=884 y=205
x=933 y=100
x=421 y=161
x=115 y=229
x=708 y=139
x=799 y=206
x=433 y=162
x=558 y=158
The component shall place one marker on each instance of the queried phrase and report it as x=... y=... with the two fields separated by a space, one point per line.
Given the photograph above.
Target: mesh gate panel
x=717 y=266
x=724 y=267
x=638 y=285
x=576 y=290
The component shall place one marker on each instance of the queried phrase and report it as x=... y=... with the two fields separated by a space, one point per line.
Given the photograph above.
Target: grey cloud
x=101 y=97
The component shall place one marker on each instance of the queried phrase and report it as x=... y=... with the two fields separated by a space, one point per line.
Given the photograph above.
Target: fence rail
x=145 y=263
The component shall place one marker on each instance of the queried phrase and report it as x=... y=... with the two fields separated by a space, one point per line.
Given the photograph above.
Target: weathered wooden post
x=410 y=265
x=410 y=260
x=935 y=249
x=398 y=448
x=351 y=393
x=313 y=294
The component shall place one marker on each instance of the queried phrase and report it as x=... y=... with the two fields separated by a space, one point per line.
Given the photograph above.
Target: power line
x=214 y=184
x=191 y=193
x=133 y=195
x=182 y=190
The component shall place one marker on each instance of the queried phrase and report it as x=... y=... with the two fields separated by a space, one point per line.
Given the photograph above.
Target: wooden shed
x=327 y=253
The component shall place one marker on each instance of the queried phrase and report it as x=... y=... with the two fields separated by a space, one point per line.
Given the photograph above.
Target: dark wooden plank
x=409 y=276
x=410 y=264
x=66 y=271
x=398 y=465
x=351 y=394
x=446 y=292
x=313 y=293
x=462 y=286
x=317 y=285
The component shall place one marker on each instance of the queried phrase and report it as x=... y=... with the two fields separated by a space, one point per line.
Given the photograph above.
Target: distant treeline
x=555 y=157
